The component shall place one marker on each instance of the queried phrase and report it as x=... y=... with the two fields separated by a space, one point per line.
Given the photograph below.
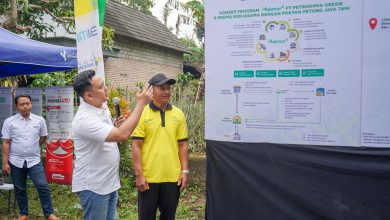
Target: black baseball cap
x=161 y=79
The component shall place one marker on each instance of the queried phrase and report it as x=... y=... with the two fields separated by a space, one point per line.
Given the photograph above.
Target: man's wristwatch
x=185 y=171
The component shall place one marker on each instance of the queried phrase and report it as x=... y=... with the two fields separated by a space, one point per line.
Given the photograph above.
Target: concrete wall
x=138 y=61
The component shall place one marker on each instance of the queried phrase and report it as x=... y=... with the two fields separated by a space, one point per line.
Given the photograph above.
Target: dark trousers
x=37 y=175
x=164 y=196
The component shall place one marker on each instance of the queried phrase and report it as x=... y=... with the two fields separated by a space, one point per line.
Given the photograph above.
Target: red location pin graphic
x=373 y=22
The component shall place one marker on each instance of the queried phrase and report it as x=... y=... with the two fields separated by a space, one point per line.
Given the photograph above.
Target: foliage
x=108 y=36
x=12 y=81
x=165 y=13
x=183 y=95
x=195 y=116
x=29 y=16
x=67 y=204
x=190 y=13
x=141 y=5
x=184 y=92
x=197 y=9
x=140 y=85
x=123 y=96
x=3 y=6
x=192 y=201
x=197 y=53
x=184 y=78
x=53 y=79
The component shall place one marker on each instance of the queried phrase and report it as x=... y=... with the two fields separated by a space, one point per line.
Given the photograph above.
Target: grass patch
x=67 y=205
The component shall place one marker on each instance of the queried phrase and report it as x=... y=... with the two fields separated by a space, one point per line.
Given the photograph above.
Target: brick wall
x=138 y=61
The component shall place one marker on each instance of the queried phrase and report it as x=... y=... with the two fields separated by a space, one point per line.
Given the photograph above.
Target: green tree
x=53 y=79
x=12 y=81
x=27 y=16
x=190 y=13
x=197 y=53
x=141 y=5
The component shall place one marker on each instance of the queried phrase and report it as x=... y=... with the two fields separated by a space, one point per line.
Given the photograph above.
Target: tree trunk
x=201 y=85
x=12 y=17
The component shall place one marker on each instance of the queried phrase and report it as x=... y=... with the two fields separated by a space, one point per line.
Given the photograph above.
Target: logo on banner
x=90 y=63
x=57 y=176
x=58 y=100
x=87 y=34
x=59 y=149
x=277 y=41
x=67 y=55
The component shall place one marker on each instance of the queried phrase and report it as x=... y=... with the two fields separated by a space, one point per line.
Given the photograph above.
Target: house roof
x=134 y=24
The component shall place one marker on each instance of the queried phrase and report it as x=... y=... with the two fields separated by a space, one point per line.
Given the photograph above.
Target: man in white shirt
x=22 y=135
x=96 y=168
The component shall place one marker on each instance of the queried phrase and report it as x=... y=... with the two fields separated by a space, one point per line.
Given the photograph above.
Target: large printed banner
x=5 y=104
x=89 y=16
x=59 y=150
x=259 y=181
x=36 y=98
x=297 y=72
x=376 y=74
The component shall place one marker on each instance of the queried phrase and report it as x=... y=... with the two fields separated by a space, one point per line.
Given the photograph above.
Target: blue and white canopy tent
x=22 y=56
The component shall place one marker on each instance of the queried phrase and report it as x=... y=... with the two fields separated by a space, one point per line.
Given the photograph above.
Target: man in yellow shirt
x=160 y=153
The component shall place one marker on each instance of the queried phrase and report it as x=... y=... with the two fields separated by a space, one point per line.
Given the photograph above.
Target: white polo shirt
x=24 y=135
x=96 y=167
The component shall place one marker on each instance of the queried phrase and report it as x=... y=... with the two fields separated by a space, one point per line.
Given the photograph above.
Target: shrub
x=183 y=95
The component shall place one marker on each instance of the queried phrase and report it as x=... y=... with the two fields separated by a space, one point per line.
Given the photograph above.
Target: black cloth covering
x=250 y=181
